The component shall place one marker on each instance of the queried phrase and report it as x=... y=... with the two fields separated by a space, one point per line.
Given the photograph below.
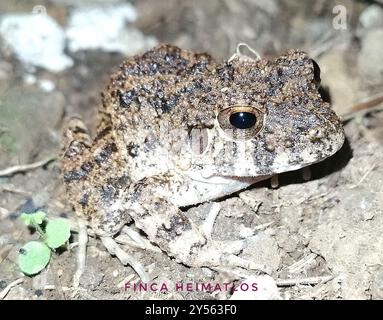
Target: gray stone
x=370 y=59
x=106 y=28
x=262 y=249
x=372 y=17
x=36 y=39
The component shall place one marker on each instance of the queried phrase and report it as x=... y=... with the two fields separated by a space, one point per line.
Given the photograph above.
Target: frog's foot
x=81 y=253
x=167 y=227
x=208 y=225
x=114 y=249
x=133 y=239
x=177 y=235
x=220 y=253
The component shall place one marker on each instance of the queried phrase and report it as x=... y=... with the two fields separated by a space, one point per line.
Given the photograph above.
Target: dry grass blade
x=25 y=167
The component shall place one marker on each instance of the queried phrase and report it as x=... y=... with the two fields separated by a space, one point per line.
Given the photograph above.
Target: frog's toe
x=125 y=258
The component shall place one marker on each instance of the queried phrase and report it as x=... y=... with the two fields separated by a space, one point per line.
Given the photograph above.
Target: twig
x=12 y=189
x=361 y=113
x=369 y=103
x=373 y=104
x=309 y=280
x=263 y=226
x=5 y=249
x=368 y=171
x=207 y=226
x=81 y=253
x=15 y=283
x=24 y=167
x=300 y=265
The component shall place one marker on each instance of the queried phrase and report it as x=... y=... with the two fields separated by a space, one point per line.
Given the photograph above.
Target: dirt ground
x=320 y=238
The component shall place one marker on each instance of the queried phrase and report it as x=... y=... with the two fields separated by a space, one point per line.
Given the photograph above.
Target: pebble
x=47 y=85
x=36 y=39
x=106 y=28
x=372 y=17
x=370 y=58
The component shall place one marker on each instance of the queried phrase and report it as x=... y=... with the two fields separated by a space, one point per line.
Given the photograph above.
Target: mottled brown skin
x=131 y=170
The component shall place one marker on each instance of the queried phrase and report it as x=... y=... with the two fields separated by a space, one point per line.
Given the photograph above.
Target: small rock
x=370 y=59
x=104 y=28
x=29 y=79
x=46 y=85
x=36 y=40
x=372 y=17
x=262 y=249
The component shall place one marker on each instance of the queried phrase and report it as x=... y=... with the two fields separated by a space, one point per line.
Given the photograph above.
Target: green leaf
x=33 y=219
x=34 y=257
x=57 y=232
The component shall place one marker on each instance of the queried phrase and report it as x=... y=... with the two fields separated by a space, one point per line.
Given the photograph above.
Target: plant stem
x=39 y=229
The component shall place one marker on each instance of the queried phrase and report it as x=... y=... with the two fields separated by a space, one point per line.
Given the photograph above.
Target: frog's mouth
x=213 y=178
x=253 y=160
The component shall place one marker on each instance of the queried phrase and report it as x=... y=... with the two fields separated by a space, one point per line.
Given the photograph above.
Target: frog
x=178 y=128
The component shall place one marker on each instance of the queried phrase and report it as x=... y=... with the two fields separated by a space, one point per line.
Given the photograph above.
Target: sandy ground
x=317 y=239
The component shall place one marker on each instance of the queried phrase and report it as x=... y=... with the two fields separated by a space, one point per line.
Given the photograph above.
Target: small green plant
x=35 y=255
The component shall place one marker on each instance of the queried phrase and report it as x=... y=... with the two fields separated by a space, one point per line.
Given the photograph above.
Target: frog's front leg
x=149 y=203
x=150 y=206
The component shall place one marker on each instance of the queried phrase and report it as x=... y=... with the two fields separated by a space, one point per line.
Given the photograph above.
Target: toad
x=178 y=128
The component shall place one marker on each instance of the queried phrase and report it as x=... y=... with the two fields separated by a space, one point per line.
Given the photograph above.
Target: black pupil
x=243 y=120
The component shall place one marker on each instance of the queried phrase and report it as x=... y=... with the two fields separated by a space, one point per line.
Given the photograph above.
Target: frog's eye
x=316 y=68
x=241 y=122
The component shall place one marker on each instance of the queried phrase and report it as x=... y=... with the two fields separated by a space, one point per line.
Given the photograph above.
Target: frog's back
x=149 y=98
